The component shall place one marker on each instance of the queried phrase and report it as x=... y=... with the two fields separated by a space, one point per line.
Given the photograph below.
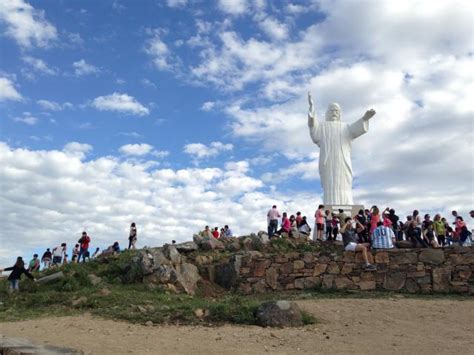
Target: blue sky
x=176 y=114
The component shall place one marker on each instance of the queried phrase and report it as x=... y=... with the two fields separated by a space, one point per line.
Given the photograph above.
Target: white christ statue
x=334 y=139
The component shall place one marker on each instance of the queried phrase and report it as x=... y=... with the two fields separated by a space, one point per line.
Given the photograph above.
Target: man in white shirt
x=58 y=253
x=383 y=237
x=272 y=218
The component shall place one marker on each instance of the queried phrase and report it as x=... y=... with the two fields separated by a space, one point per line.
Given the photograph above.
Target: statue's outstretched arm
x=361 y=126
x=312 y=119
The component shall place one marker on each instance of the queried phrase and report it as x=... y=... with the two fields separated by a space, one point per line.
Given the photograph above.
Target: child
x=15 y=275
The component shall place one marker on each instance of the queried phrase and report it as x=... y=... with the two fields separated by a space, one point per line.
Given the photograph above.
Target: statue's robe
x=334 y=139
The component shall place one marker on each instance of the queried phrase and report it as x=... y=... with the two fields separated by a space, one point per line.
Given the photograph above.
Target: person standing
x=46 y=259
x=319 y=216
x=58 y=253
x=16 y=271
x=328 y=222
x=272 y=217
x=34 y=264
x=132 y=237
x=84 y=241
x=440 y=230
x=374 y=219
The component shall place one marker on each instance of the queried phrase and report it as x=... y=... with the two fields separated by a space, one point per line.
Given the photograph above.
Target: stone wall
x=406 y=270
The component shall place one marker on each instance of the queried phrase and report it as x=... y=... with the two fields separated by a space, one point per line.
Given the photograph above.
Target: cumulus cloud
x=53 y=105
x=120 y=103
x=233 y=7
x=82 y=68
x=201 y=151
x=136 y=149
x=273 y=28
x=176 y=3
x=208 y=106
x=8 y=91
x=38 y=65
x=157 y=49
x=26 y=25
x=63 y=194
x=26 y=118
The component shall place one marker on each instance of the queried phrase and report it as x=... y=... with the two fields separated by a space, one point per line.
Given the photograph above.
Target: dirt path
x=362 y=326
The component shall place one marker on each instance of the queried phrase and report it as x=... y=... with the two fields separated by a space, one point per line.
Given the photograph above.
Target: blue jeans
x=83 y=253
x=14 y=285
x=272 y=227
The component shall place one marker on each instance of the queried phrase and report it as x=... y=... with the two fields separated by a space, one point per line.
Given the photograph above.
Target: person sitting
x=285 y=225
x=46 y=259
x=413 y=232
x=206 y=233
x=465 y=237
x=34 y=264
x=96 y=253
x=215 y=233
x=429 y=235
x=383 y=237
x=222 y=233
x=111 y=249
x=298 y=218
x=304 y=227
x=228 y=232
x=75 y=253
x=350 y=240
x=293 y=226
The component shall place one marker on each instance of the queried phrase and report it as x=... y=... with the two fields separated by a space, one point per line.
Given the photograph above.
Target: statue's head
x=334 y=112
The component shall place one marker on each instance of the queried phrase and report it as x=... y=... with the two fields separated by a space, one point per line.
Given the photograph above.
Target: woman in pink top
x=375 y=218
x=285 y=225
x=319 y=215
x=386 y=220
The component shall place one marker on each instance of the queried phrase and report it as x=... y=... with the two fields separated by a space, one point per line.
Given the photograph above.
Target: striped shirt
x=382 y=238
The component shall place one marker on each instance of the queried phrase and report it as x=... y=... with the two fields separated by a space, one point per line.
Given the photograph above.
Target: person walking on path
x=132 y=237
x=16 y=271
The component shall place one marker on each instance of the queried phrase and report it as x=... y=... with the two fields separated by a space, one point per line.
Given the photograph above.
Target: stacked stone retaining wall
x=449 y=270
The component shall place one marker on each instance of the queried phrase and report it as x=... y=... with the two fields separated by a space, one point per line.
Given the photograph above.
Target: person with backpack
x=46 y=259
x=16 y=271
x=84 y=242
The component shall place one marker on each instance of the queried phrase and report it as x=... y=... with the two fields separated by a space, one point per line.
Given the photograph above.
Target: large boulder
x=172 y=254
x=186 y=247
x=148 y=260
x=211 y=244
x=187 y=278
x=279 y=314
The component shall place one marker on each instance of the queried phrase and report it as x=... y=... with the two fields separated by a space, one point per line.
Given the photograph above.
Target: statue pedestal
x=349 y=210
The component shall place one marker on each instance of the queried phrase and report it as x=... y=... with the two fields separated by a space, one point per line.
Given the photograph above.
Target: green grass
x=135 y=302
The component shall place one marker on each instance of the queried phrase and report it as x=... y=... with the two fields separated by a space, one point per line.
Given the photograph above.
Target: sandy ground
x=361 y=326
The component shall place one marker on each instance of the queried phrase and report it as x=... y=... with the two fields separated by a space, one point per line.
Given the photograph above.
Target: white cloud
x=208 y=106
x=8 y=91
x=273 y=28
x=120 y=103
x=27 y=119
x=26 y=24
x=176 y=3
x=54 y=106
x=149 y=83
x=233 y=7
x=39 y=65
x=158 y=50
x=82 y=68
x=201 y=151
x=76 y=149
x=136 y=149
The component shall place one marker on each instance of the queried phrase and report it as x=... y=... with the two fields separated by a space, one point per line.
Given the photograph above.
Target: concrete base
x=349 y=210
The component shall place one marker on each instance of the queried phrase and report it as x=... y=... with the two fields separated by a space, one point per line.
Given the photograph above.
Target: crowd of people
x=58 y=256
x=224 y=232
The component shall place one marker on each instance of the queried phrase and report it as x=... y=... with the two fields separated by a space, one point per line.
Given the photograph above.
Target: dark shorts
x=57 y=259
x=320 y=226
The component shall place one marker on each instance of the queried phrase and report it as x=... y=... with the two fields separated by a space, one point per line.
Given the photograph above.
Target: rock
x=199 y=313
x=319 y=269
x=198 y=239
x=172 y=288
x=271 y=276
x=394 y=281
x=401 y=256
x=105 y=292
x=149 y=323
x=187 y=277
x=45 y=279
x=227 y=275
x=381 y=257
x=441 y=278
x=186 y=247
x=149 y=260
x=79 y=301
x=211 y=244
x=233 y=246
x=343 y=282
x=172 y=254
x=298 y=264
x=367 y=285
x=432 y=256
x=412 y=286
x=279 y=314
x=333 y=268
x=95 y=280
x=142 y=309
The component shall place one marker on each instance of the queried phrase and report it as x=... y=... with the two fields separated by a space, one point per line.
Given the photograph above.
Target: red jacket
x=85 y=242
